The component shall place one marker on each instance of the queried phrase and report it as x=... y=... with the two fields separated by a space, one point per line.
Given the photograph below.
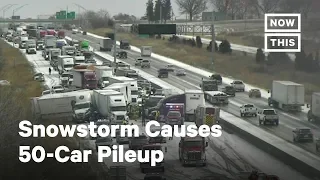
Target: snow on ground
x=246 y=126
x=41 y=66
x=199 y=71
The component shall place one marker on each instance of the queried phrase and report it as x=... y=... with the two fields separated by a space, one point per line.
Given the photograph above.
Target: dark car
x=216 y=77
x=163 y=73
x=229 y=90
x=302 y=134
x=124 y=44
x=255 y=93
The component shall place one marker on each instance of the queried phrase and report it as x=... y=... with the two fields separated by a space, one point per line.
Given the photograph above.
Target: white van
x=146 y=51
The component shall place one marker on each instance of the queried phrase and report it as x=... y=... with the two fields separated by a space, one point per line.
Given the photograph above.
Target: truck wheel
x=142 y=170
x=317 y=148
x=277 y=123
x=241 y=114
x=204 y=164
x=264 y=123
x=255 y=115
x=294 y=139
x=162 y=169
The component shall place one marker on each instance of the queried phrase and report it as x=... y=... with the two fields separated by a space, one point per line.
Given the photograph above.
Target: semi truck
x=146 y=51
x=31 y=47
x=49 y=41
x=61 y=34
x=41 y=34
x=84 y=78
x=287 y=95
x=81 y=104
x=133 y=87
x=23 y=42
x=54 y=53
x=209 y=85
x=89 y=56
x=192 y=151
x=106 y=44
x=103 y=74
x=110 y=104
x=42 y=106
x=216 y=97
x=60 y=43
x=68 y=50
x=314 y=112
x=124 y=88
x=207 y=115
x=191 y=100
x=32 y=33
x=65 y=63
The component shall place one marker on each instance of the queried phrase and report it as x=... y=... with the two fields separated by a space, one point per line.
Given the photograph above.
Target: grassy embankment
x=14 y=107
x=238 y=65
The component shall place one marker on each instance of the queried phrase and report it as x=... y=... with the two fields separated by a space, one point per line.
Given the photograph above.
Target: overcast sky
x=46 y=7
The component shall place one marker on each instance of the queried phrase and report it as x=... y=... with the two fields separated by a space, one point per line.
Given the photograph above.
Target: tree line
x=232 y=9
x=158 y=10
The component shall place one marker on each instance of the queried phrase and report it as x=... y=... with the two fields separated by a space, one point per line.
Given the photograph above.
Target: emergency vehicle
x=207 y=115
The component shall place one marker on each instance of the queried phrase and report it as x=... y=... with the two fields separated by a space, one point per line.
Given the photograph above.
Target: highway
x=287 y=121
x=226 y=155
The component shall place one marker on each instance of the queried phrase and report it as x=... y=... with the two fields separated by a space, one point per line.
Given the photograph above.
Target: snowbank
x=201 y=72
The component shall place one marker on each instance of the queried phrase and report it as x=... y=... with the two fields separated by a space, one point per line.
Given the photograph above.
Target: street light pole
x=15 y=10
x=213 y=42
x=6 y=8
x=115 y=45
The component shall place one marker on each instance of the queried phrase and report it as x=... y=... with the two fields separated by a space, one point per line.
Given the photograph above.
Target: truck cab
x=81 y=106
x=53 y=55
x=147 y=165
x=89 y=57
x=23 y=42
x=79 y=60
x=268 y=116
x=106 y=44
x=39 y=45
x=209 y=85
x=64 y=78
x=163 y=73
x=124 y=44
x=216 y=77
x=192 y=151
x=31 y=47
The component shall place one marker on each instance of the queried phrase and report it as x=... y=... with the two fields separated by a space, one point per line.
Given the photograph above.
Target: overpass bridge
x=178 y=21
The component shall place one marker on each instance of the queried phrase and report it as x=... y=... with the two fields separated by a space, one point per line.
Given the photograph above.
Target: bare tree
x=192 y=7
x=296 y=6
x=267 y=6
x=218 y=5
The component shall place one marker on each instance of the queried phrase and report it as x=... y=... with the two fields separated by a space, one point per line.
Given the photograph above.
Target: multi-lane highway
x=227 y=155
x=287 y=121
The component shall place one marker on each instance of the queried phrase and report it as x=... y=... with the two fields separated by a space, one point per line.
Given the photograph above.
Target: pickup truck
x=238 y=85
x=248 y=110
x=268 y=116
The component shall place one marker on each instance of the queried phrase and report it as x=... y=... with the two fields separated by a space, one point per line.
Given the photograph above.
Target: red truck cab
x=61 y=34
x=42 y=34
x=192 y=150
x=84 y=78
x=90 y=80
x=51 y=32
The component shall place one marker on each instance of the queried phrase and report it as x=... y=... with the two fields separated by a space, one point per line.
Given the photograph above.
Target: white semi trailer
x=287 y=95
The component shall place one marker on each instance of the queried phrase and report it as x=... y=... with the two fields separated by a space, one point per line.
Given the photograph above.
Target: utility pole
x=115 y=45
x=160 y=12
x=213 y=42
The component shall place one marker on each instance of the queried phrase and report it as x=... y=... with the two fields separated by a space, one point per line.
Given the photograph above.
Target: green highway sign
x=65 y=15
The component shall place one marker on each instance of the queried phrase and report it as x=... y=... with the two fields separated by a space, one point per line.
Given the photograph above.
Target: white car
x=170 y=67
x=248 y=110
x=268 y=116
x=74 y=31
x=45 y=92
x=180 y=72
x=57 y=89
x=238 y=85
x=138 y=61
